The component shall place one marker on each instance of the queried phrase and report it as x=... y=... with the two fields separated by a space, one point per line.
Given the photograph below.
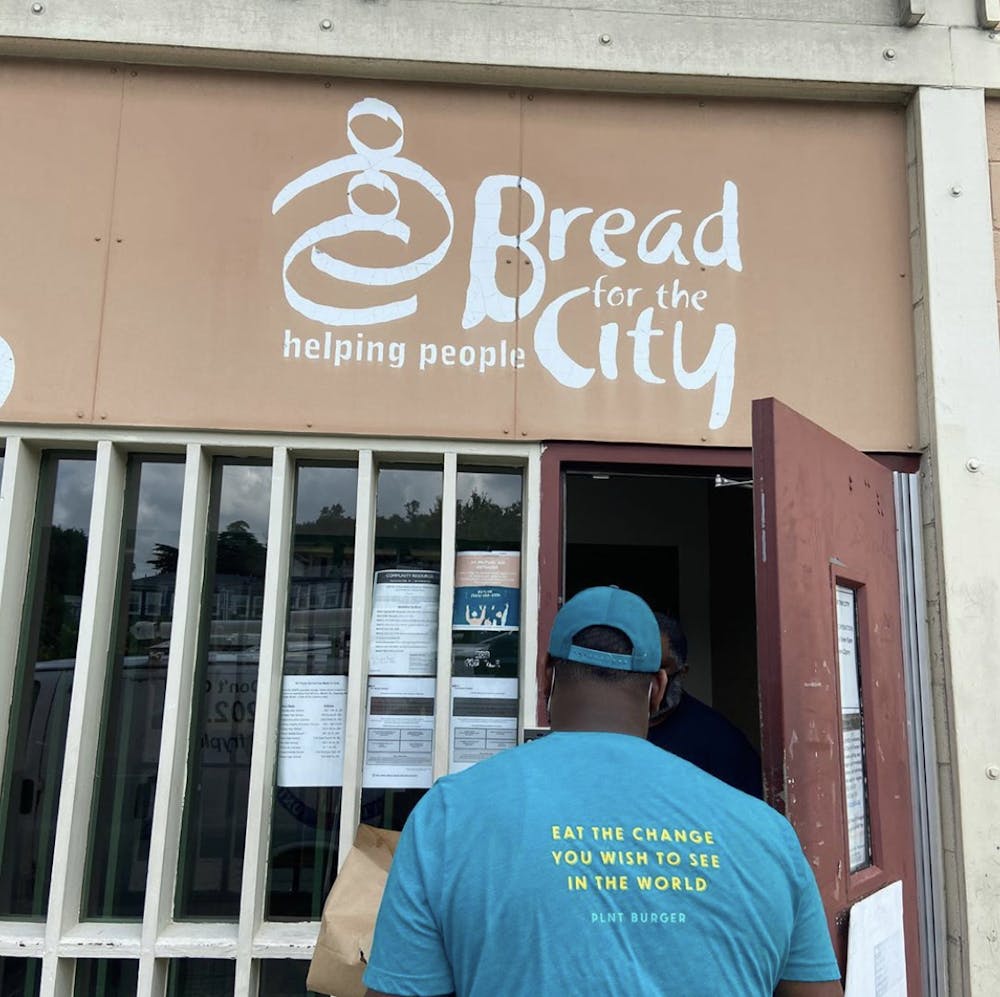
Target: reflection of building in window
x=319 y=601
x=152 y=597
x=237 y=597
x=152 y=603
x=316 y=583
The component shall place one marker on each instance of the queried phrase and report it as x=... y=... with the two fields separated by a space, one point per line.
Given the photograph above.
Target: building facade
x=341 y=341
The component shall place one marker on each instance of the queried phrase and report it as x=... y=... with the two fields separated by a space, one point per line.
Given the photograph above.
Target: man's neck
x=583 y=723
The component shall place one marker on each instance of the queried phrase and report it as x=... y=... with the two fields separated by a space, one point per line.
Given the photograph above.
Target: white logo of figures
x=6 y=370
x=372 y=168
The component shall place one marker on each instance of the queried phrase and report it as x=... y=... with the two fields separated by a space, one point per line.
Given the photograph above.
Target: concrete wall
x=850 y=46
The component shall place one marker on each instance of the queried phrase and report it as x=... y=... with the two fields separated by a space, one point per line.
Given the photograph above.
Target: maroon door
x=830 y=663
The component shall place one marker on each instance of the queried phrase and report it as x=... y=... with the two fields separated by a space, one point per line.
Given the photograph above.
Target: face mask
x=675 y=689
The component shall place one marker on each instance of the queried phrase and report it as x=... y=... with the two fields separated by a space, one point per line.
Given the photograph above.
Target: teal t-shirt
x=593 y=864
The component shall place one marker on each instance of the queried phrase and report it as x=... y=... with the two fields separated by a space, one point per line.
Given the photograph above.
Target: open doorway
x=759 y=578
x=682 y=540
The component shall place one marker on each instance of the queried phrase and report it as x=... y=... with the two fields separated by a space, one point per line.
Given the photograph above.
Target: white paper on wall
x=483 y=719
x=311 y=730
x=876 y=953
x=399 y=737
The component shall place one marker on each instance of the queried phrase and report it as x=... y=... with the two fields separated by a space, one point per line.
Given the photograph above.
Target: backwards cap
x=608 y=606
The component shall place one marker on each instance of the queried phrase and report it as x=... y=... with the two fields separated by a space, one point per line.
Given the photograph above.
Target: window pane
x=306 y=819
x=201 y=978
x=402 y=653
x=44 y=680
x=20 y=977
x=284 y=978
x=211 y=864
x=486 y=616
x=106 y=978
x=137 y=672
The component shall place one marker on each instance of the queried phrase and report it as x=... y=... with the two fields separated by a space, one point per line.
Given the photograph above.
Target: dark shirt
x=700 y=735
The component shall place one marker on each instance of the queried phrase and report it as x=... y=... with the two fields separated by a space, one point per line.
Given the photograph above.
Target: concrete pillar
x=959 y=380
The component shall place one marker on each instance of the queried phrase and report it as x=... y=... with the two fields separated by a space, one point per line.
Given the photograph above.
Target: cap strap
x=603 y=659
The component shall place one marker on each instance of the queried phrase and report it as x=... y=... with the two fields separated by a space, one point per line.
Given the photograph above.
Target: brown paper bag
x=345 y=933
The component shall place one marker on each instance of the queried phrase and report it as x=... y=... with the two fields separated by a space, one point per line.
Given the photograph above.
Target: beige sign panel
x=331 y=256
x=58 y=133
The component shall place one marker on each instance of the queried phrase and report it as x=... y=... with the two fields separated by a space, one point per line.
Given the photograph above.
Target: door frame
x=559 y=456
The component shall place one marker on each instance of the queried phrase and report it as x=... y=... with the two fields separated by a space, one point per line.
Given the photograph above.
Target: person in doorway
x=589 y=862
x=685 y=726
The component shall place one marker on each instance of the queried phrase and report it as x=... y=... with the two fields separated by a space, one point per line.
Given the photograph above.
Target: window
x=309 y=776
x=227 y=615
x=134 y=689
x=43 y=682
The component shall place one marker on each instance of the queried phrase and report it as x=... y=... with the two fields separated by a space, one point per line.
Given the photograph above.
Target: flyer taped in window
x=487 y=590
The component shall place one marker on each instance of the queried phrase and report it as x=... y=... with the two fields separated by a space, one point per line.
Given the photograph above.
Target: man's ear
x=548 y=673
x=548 y=684
x=658 y=690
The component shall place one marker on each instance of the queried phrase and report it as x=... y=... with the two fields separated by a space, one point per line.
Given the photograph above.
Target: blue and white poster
x=487 y=590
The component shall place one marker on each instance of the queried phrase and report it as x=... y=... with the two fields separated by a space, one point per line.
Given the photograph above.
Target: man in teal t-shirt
x=590 y=862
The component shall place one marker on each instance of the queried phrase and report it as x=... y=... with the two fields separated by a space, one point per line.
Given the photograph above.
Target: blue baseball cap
x=608 y=606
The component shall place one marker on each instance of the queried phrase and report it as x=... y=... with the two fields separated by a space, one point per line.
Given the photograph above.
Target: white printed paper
x=399 y=738
x=404 y=622
x=483 y=719
x=847 y=648
x=854 y=788
x=311 y=730
x=851 y=726
x=876 y=954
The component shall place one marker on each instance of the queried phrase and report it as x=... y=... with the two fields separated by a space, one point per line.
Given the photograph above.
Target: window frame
x=63 y=937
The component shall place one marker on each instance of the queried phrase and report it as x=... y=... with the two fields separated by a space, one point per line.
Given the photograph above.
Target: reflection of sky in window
x=325 y=486
x=502 y=488
x=397 y=486
x=74 y=492
x=158 y=518
x=246 y=495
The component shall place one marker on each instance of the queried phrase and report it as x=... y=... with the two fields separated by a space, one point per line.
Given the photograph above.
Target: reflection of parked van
x=133 y=733
x=125 y=788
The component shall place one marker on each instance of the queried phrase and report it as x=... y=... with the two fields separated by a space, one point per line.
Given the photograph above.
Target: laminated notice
x=404 y=622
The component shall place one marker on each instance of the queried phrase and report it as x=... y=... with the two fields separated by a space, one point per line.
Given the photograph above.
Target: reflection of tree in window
x=164 y=559
x=481 y=518
x=413 y=539
x=63 y=583
x=239 y=552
